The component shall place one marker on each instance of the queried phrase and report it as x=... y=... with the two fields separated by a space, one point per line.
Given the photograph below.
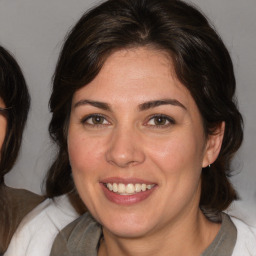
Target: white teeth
x=128 y=189
x=121 y=188
x=109 y=186
x=115 y=188
x=137 y=188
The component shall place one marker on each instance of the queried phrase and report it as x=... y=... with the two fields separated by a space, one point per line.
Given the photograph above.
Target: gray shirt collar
x=82 y=237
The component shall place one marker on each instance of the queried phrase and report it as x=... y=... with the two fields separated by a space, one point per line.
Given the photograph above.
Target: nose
x=125 y=149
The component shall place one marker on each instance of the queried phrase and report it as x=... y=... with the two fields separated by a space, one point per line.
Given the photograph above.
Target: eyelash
x=84 y=120
x=168 y=119
x=165 y=118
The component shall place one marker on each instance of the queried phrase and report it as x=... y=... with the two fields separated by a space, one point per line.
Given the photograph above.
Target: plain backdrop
x=33 y=30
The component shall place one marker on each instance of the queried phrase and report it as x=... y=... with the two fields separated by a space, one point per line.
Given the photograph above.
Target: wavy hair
x=201 y=60
x=15 y=95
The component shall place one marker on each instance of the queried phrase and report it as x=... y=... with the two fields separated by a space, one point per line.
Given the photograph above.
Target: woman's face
x=3 y=125
x=137 y=145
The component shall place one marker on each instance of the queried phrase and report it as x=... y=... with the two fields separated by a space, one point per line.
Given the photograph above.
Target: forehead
x=135 y=74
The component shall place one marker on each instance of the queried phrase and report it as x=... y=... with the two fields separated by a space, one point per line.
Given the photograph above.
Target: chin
x=127 y=225
x=125 y=230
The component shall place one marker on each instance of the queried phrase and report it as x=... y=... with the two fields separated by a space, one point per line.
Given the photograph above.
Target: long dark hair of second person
x=15 y=95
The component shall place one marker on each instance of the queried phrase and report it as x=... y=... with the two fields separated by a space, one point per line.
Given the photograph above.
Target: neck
x=186 y=237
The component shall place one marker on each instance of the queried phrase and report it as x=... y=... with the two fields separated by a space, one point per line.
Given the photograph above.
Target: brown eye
x=95 y=120
x=160 y=121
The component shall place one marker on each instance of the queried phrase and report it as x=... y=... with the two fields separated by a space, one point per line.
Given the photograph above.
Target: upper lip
x=126 y=180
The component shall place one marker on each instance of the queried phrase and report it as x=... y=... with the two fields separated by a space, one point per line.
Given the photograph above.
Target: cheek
x=175 y=162
x=84 y=153
x=84 y=157
x=177 y=155
x=179 y=160
x=3 y=125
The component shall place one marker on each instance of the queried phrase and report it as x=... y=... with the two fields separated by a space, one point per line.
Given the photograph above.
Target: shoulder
x=38 y=229
x=84 y=224
x=19 y=203
x=246 y=238
x=15 y=193
x=79 y=236
x=22 y=200
x=56 y=212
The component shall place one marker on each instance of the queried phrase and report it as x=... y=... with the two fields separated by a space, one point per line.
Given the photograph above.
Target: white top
x=37 y=231
x=246 y=239
x=243 y=215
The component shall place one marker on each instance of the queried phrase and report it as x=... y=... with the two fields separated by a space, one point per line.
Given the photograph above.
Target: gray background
x=33 y=30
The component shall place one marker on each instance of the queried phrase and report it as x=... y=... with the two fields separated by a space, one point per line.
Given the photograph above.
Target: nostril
x=124 y=150
x=125 y=160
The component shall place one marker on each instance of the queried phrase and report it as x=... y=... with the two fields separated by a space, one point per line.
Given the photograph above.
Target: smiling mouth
x=128 y=189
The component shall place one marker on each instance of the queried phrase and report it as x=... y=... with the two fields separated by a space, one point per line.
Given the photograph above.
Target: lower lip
x=127 y=199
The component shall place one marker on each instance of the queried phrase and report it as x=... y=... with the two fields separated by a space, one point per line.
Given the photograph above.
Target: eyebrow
x=156 y=103
x=96 y=104
x=144 y=106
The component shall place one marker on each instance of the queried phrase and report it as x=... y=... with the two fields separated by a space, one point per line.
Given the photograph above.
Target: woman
x=14 y=106
x=145 y=117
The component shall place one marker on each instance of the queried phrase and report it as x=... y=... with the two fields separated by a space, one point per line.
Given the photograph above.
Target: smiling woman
x=145 y=117
x=137 y=134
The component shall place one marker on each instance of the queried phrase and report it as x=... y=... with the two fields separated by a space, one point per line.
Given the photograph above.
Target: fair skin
x=3 y=124
x=135 y=123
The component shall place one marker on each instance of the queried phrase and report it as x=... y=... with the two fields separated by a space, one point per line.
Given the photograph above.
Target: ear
x=213 y=145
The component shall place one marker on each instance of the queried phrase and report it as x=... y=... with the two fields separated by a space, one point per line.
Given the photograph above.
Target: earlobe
x=213 y=145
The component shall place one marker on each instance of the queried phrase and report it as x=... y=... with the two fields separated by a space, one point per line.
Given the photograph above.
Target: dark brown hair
x=14 y=93
x=202 y=63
